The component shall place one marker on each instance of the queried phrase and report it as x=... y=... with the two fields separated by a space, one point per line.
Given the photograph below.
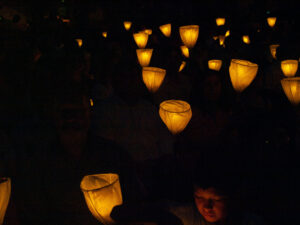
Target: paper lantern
x=127 y=25
x=221 y=40
x=220 y=21
x=182 y=66
x=189 y=35
x=79 y=42
x=246 y=39
x=175 y=114
x=66 y=20
x=104 y=34
x=291 y=87
x=166 y=29
x=5 y=190
x=144 y=56
x=153 y=77
x=215 y=64
x=271 y=21
x=102 y=192
x=273 y=49
x=185 y=51
x=215 y=38
x=242 y=73
x=148 y=31
x=91 y=102
x=289 y=67
x=141 y=39
x=227 y=34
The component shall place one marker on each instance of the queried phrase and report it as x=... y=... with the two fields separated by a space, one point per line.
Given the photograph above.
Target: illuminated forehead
x=207 y=192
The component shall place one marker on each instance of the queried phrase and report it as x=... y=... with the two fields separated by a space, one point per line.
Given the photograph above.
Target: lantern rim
x=290 y=79
x=244 y=62
x=189 y=26
x=144 y=49
x=287 y=61
x=115 y=177
x=214 y=60
x=161 y=106
x=153 y=69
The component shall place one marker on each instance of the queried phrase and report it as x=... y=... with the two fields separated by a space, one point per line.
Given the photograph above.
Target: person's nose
x=208 y=204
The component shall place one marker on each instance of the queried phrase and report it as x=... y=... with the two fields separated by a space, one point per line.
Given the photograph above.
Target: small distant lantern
x=102 y=192
x=185 y=51
x=271 y=21
x=189 y=35
x=221 y=40
x=246 y=39
x=215 y=64
x=79 y=42
x=91 y=102
x=291 y=87
x=215 y=38
x=148 y=31
x=66 y=20
x=242 y=73
x=175 y=114
x=166 y=29
x=289 y=67
x=144 y=56
x=182 y=66
x=227 y=34
x=5 y=190
x=273 y=49
x=220 y=21
x=153 y=77
x=141 y=39
x=127 y=25
x=104 y=34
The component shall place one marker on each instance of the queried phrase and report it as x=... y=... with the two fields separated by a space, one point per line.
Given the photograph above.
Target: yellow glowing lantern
x=91 y=102
x=289 y=67
x=246 y=39
x=102 y=192
x=220 y=21
x=189 y=35
x=153 y=77
x=182 y=66
x=215 y=64
x=185 y=51
x=227 y=34
x=127 y=25
x=5 y=190
x=271 y=21
x=148 y=31
x=141 y=39
x=273 y=49
x=104 y=34
x=166 y=29
x=175 y=114
x=221 y=40
x=79 y=42
x=291 y=87
x=215 y=38
x=242 y=73
x=144 y=56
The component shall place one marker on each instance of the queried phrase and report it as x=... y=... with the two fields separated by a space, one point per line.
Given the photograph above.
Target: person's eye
x=199 y=198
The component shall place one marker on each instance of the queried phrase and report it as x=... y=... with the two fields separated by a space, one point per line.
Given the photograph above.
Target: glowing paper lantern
x=66 y=20
x=289 y=67
x=246 y=39
x=182 y=66
x=291 y=87
x=185 y=51
x=215 y=64
x=242 y=73
x=102 y=192
x=144 y=56
x=104 y=34
x=175 y=114
x=273 y=49
x=148 y=31
x=5 y=190
x=189 y=35
x=220 y=21
x=215 y=38
x=141 y=39
x=166 y=29
x=127 y=25
x=79 y=42
x=153 y=77
x=271 y=21
x=221 y=40
x=91 y=102
x=227 y=34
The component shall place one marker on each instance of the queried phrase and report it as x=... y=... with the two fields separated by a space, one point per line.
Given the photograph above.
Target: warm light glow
x=215 y=38
x=291 y=87
x=246 y=39
x=127 y=25
x=104 y=34
x=182 y=66
x=175 y=114
x=141 y=39
x=66 y=20
x=166 y=29
x=221 y=40
x=185 y=51
x=91 y=102
x=271 y=21
x=144 y=56
x=189 y=35
x=220 y=21
x=242 y=73
x=153 y=77
x=148 y=31
x=273 y=49
x=289 y=67
x=102 y=192
x=5 y=190
x=79 y=42
x=227 y=34
x=215 y=64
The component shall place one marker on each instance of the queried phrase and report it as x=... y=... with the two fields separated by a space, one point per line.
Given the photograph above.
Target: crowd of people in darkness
x=67 y=111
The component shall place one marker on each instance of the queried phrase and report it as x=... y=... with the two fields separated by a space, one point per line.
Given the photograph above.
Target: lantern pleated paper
x=189 y=35
x=215 y=64
x=79 y=42
x=289 y=67
x=227 y=34
x=246 y=39
x=273 y=50
x=127 y=25
x=220 y=21
x=175 y=114
x=182 y=66
x=185 y=51
x=291 y=87
x=153 y=77
x=104 y=34
x=271 y=21
x=242 y=73
x=5 y=190
x=141 y=39
x=144 y=56
x=166 y=29
x=102 y=192
x=221 y=40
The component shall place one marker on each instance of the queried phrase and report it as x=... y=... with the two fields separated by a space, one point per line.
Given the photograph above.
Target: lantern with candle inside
x=148 y=31
x=289 y=67
x=153 y=77
x=185 y=51
x=79 y=42
x=242 y=73
x=182 y=66
x=144 y=56
x=127 y=25
x=141 y=39
x=166 y=29
x=221 y=40
x=215 y=64
x=175 y=114
x=291 y=88
x=220 y=21
x=246 y=39
x=189 y=35
x=271 y=21
x=5 y=190
x=273 y=49
x=104 y=34
x=102 y=192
